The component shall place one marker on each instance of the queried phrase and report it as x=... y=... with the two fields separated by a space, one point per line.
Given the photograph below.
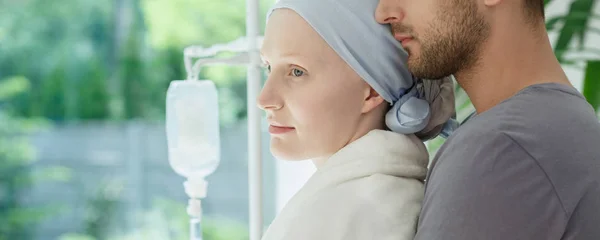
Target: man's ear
x=372 y=100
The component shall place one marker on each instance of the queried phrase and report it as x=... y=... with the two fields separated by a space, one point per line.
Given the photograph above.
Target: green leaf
x=591 y=84
x=586 y=6
x=581 y=16
x=13 y=86
x=574 y=26
x=551 y=23
x=30 y=215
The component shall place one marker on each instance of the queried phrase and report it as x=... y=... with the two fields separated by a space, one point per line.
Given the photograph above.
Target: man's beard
x=451 y=43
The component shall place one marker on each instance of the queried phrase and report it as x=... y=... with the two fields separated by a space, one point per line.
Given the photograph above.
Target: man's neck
x=510 y=60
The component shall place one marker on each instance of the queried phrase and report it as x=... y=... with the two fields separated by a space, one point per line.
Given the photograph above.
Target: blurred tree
x=50 y=43
x=17 y=220
x=93 y=97
x=185 y=22
x=133 y=78
x=52 y=102
x=70 y=49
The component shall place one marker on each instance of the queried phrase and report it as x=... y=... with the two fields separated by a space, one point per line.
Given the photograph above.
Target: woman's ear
x=372 y=100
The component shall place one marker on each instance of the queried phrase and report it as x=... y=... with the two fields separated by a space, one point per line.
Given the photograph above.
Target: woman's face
x=314 y=101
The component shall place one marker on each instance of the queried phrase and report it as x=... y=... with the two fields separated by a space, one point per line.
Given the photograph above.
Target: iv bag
x=192 y=125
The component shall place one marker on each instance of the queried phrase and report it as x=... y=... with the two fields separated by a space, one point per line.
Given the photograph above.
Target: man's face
x=442 y=37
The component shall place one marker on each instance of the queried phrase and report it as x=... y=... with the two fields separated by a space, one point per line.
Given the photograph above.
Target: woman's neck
x=374 y=120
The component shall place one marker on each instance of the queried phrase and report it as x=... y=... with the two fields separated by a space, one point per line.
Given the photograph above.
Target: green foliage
x=133 y=78
x=13 y=86
x=93 y=98
x=199 y=22
x=591 y=87
x=101 y=209
x=575 y=28
x=16 y=174
x=575 y=25
x=52 y=100
x=93 y=60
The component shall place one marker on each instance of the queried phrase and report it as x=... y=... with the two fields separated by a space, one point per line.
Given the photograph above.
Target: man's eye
x=297 y=72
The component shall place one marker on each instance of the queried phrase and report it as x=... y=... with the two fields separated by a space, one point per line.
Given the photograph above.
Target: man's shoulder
x=478 y=148
x=544 y=136
x=549 y=126
x=541 y=120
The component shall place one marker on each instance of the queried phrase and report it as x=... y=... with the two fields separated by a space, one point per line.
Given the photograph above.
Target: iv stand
x=246 y=53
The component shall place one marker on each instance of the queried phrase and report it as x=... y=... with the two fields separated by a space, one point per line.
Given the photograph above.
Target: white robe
x=371 y=189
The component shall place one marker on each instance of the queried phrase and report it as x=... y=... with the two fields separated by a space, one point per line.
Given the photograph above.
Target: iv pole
x=254 y=133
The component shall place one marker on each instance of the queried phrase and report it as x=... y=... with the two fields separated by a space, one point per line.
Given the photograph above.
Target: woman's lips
x=279 y=129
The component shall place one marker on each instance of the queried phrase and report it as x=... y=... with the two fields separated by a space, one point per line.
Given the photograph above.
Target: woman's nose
x=268 y=98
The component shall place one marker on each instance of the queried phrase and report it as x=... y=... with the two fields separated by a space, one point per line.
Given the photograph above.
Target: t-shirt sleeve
x=489 y=188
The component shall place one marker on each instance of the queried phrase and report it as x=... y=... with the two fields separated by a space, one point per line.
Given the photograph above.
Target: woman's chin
x=286 y=156
x=286 y=153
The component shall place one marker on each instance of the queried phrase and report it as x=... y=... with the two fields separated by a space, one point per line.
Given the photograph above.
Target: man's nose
x=389 y=11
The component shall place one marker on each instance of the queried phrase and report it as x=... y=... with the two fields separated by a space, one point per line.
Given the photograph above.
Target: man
x=528 y=165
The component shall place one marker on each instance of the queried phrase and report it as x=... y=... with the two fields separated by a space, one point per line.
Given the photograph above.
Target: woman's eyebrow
x=291 y=56
x=303 y=59
x=287 y=57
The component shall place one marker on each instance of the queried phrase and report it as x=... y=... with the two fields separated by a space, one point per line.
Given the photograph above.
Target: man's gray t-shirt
x=529 y=169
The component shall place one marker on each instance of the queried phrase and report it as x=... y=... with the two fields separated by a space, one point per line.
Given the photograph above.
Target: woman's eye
x=268 y=68
x=297 y=72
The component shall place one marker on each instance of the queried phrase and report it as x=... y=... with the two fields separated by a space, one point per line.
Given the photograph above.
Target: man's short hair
x=534 y=9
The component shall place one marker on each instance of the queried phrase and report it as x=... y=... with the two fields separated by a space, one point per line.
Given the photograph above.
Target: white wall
x=291 y=176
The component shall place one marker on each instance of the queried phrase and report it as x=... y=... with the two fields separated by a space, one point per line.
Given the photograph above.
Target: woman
x=339 y=93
